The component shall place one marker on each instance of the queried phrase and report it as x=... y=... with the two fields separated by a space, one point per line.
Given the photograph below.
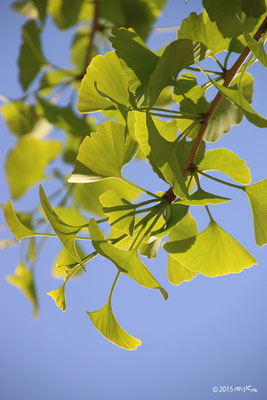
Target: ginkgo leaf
x=26 y=162
x=202 y=198
x=63 y=260
x=65 y=232
x=257 y=194
x=19 y=230
x=238 y=98
x=20 y=117
x=127 y=261
x=58 y=295
x=253 y=9
x=87 y=195
x=212 y=253
x=103 y=154
x=23 y=280
x=66 y=13
x=178 y=55
x=121 y=211
x=186 y=228
x=104 y=74
x=106 y=323
x=257 y=48
x=173 y=214
x=229 y=163
x=150 y=248
x=162 y=154
x=178 y=273
x=201 y=29
x=30 y=50
x=137 y=60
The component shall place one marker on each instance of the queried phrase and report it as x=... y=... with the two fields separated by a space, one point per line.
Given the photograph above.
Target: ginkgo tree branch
x=94 y=29
x=230 y=74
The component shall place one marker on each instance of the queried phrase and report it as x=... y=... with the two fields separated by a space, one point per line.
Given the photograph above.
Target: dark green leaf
x=65 y=13
x=31 y=58
x=41 y=6
x=178 y=55
x=253 y=9
x=137 y=60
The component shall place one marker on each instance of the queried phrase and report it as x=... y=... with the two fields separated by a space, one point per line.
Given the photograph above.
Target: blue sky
x=210 y=332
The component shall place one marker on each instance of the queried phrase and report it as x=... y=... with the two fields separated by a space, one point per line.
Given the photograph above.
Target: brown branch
x=216 y=101
x=94 y=29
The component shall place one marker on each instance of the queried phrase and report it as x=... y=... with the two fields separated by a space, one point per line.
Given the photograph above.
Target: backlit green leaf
x=63 y=259
x=65 y=232
x=226 y=15
x=105 y=75
x=87 y=195
x=150 y=248
x=137 y=60
x=257 y=194
x=25 y=8
x=200 y=29
x=162 y=154
x=179 y=54
x=23 y=280
x=127 y=261
x=20 y=117
x=229 y=163
x=202 y=198
x=121 y=211
x=257 y=48
x=19 y=230
x=65 y=13
x=178 y=273
x=103 y=154
x=26 y=162
x=105 y=322
x=173 y=214
x=238 y=98
x=59 y=296
x=79 y=48
x=212 y=253
x=30 y=50
x=186 y=228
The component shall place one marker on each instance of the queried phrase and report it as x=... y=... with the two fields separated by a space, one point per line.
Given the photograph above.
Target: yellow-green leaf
x=58 y=295
x=105 y=75
x=257 y=194
x=178 y=273
x=229 y=163
x=103 y=154
x=19 y=230
x=26 y=162
x=23 y=280
x=212 y=253
x=127 y=261
x=121 y=211
x=105 y=322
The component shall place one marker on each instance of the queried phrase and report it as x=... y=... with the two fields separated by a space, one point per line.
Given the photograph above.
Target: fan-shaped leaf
x=202 y=198
x=26 y=162
x=212 y=253
x=19 y=230
x=103 y=154
x=105 y=322
x=23 y=280
x=229 y=163
x=105 y=75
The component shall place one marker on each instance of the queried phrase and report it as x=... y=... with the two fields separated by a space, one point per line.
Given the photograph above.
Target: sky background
x=210 y=332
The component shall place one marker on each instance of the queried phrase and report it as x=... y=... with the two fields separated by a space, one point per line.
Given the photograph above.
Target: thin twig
x=94 y=29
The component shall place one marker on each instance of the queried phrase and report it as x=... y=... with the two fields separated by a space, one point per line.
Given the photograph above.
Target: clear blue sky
x=210 y=332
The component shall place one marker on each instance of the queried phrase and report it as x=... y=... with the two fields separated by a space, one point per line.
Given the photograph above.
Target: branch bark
x=94 y=29
x=216 y=101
